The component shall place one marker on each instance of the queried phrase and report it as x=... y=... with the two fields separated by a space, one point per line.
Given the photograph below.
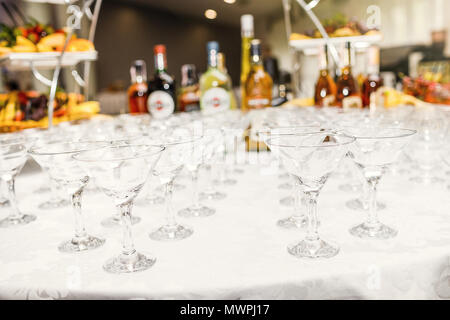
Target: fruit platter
x=340 y=29
x=28 y=109
x=41 y=45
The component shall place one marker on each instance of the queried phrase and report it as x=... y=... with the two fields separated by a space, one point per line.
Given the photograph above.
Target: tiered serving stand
x=36 y=61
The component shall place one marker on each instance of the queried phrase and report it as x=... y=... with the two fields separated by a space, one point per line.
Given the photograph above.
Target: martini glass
x=13 y=155
x=298 y=218
x=375 y=149
x=66 y=172
x=203 y=149
x=311 y=158
x=3 y=200
x=178 y=152
x=121 y=171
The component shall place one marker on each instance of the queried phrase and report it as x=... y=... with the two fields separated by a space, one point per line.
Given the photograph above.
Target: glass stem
x=15 y=212
x=54 y=197
x=170 y=216
x=195 y=193
x=124 y=211
x=373 y=216
x=80 y=230
x=311 y=202
x=209 y=177
x=365 y=195
x=297 y=199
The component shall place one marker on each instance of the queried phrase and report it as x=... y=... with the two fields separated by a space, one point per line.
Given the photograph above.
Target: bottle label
x=160 y=104
x=257 y=103
x=215 y=100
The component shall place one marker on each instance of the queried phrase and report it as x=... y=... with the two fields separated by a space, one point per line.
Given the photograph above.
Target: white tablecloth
x=239 y=253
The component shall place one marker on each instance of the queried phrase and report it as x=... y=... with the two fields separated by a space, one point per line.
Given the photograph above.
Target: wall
x=128 y=32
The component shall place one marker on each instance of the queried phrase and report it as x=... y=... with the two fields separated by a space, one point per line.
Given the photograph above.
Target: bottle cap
x=159 y=48
x=247 y=24
x=212 y=45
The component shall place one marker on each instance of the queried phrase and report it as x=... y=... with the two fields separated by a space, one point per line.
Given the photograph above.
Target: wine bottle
x=138 y=91
x=247 y=34
x=373 y=80
x=189 y=97
x=215 y=86
x=325 y=90
x=347 y=90
x=161 y=88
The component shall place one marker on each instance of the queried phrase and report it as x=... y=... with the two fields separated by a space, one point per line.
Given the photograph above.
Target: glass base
x=81 y=244
x=350 y=187
x=293 y=222
x=214 y=195
x=54 y=204
x=200 y=211
x=288 y=201
x=115 y=221
x=285 y=186
x=427 y=180
x=171 y=233
x=313 y=249
x=376 y=230
x=11 y=221
x=150 y=201
x=128 y=264
x=356 y=204
x=226 y=182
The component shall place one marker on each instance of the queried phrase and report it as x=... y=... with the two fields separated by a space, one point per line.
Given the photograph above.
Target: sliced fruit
x=54 y=40
x=22 y=41
x=43 y=48
x=80 y=45
x=24 y=48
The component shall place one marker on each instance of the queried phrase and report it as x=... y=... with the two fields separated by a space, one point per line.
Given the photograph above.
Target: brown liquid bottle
x=258 y=86
x=373 y=81
x=325 y=90
x=347 y=95
x=138 y=91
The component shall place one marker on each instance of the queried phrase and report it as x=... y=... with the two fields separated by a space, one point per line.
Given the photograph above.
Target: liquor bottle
x=347 y=95
x=161 y=88
x=247 y=34
x=221 y=65
x=325 y=91
x=373 y=80
x=189 y=96
x=215 y=86
x=258 y=87
x=138 y=91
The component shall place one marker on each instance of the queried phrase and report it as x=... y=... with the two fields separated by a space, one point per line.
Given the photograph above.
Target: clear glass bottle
x=215 y=86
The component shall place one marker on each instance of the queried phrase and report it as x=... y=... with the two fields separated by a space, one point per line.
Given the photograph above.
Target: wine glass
x=3 y=199
x=66 y=172
x=121 y=171
x=13 y=155
x=375 y=149
x=178 y=151
x=311 y=158
x=203 y=149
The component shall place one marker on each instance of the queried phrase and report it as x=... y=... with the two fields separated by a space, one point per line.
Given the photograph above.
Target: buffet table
x=239 y=253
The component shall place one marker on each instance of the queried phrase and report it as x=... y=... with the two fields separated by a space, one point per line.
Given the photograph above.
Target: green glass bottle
x=215 y=85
